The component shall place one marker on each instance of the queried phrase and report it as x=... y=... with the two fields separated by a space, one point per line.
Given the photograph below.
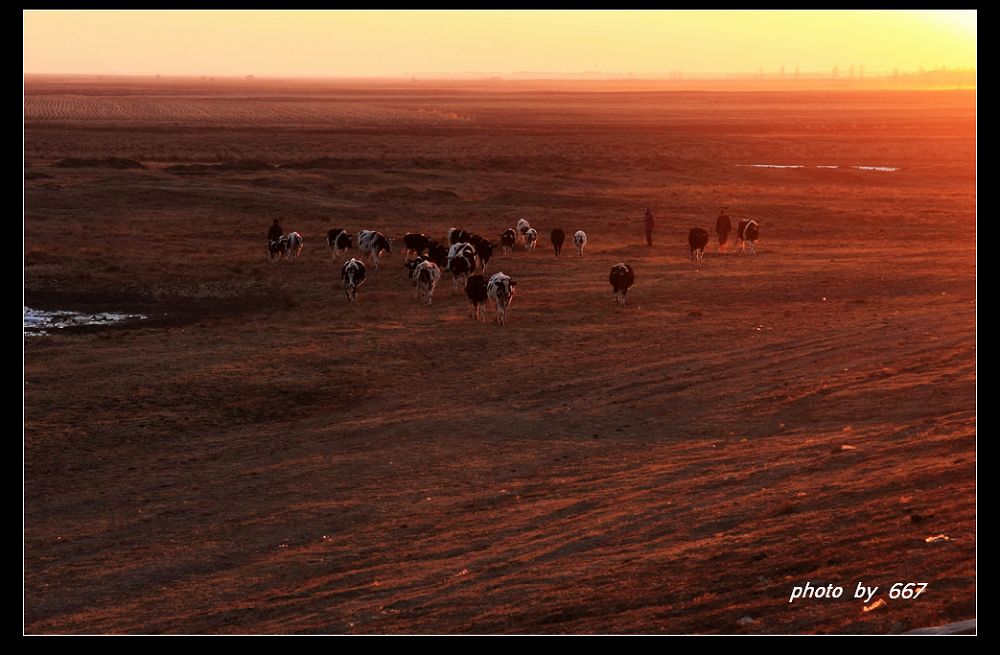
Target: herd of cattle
x=467 y=256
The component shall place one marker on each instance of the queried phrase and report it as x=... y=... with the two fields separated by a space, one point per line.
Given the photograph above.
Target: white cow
x=425 y=278
x=580 y=240
x=531 y=239
x=747 y=233
x=522 y=227
x=501 y=291
x=294 y=246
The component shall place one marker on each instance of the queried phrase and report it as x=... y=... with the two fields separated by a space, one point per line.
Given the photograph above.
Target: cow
x=287 y=246
x=475 y=291
x=580 y=240
x=697 y=239
x=461 y=263
x=411 y=265
x=353 y=275
x=484 y=250
x=456 y=235
x=522 y=227
x=276 y=248
x=373 y=244
x=416 y=243
x=507 y=240
x=339 y=241
x=747 y=233
x=501 y=291
x=438 y=254
x=530 y=239
x=293 y=245
x=425 y=278
x=622 y=278
x=557 y=238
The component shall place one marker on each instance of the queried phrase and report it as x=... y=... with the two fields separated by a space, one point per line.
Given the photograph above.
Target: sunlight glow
x=380 y=43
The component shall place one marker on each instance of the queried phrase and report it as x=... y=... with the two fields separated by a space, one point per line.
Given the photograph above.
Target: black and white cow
x=697 y=239
x=747 y=233
x=475 y=291
x=287 y=247
x=416 y=243
x=276 y=248
x=530 y=239
x=484 y=250
x=457 y=235
x=580 y=240
x=425 y=278
x=500 y=290
x=372 y=244
x=558 y=237
x=461 y=263
x=522 y=227
x=507 y=240
x=411 y=265
x=339 y=241
x=622 y=278
x=353 y=275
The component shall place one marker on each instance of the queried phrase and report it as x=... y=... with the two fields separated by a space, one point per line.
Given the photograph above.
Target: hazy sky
x=376 y=43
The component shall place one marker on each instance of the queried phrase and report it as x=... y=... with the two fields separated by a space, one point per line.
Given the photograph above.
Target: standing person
x=274 y=232
x=648 y=221
x=723 y=227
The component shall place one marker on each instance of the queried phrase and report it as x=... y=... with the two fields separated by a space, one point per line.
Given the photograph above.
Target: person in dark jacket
x=649 y=224
x=274 y=232
x=723 y=227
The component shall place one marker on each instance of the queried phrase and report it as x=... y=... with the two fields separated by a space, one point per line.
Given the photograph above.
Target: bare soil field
x=261 y=456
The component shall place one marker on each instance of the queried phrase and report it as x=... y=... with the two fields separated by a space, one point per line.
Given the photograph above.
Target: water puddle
x=772 y=165
x=39 y=322
x=886 y=169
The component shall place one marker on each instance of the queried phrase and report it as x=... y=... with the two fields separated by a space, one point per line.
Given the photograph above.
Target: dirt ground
x=261 y=456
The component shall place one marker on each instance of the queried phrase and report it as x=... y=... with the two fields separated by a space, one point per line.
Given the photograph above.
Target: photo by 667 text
x=862 y=592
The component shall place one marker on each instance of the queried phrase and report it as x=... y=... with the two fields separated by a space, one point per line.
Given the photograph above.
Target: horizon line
x=667 y=76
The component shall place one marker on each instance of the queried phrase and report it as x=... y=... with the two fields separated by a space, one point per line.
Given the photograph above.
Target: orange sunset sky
x=380 y=43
